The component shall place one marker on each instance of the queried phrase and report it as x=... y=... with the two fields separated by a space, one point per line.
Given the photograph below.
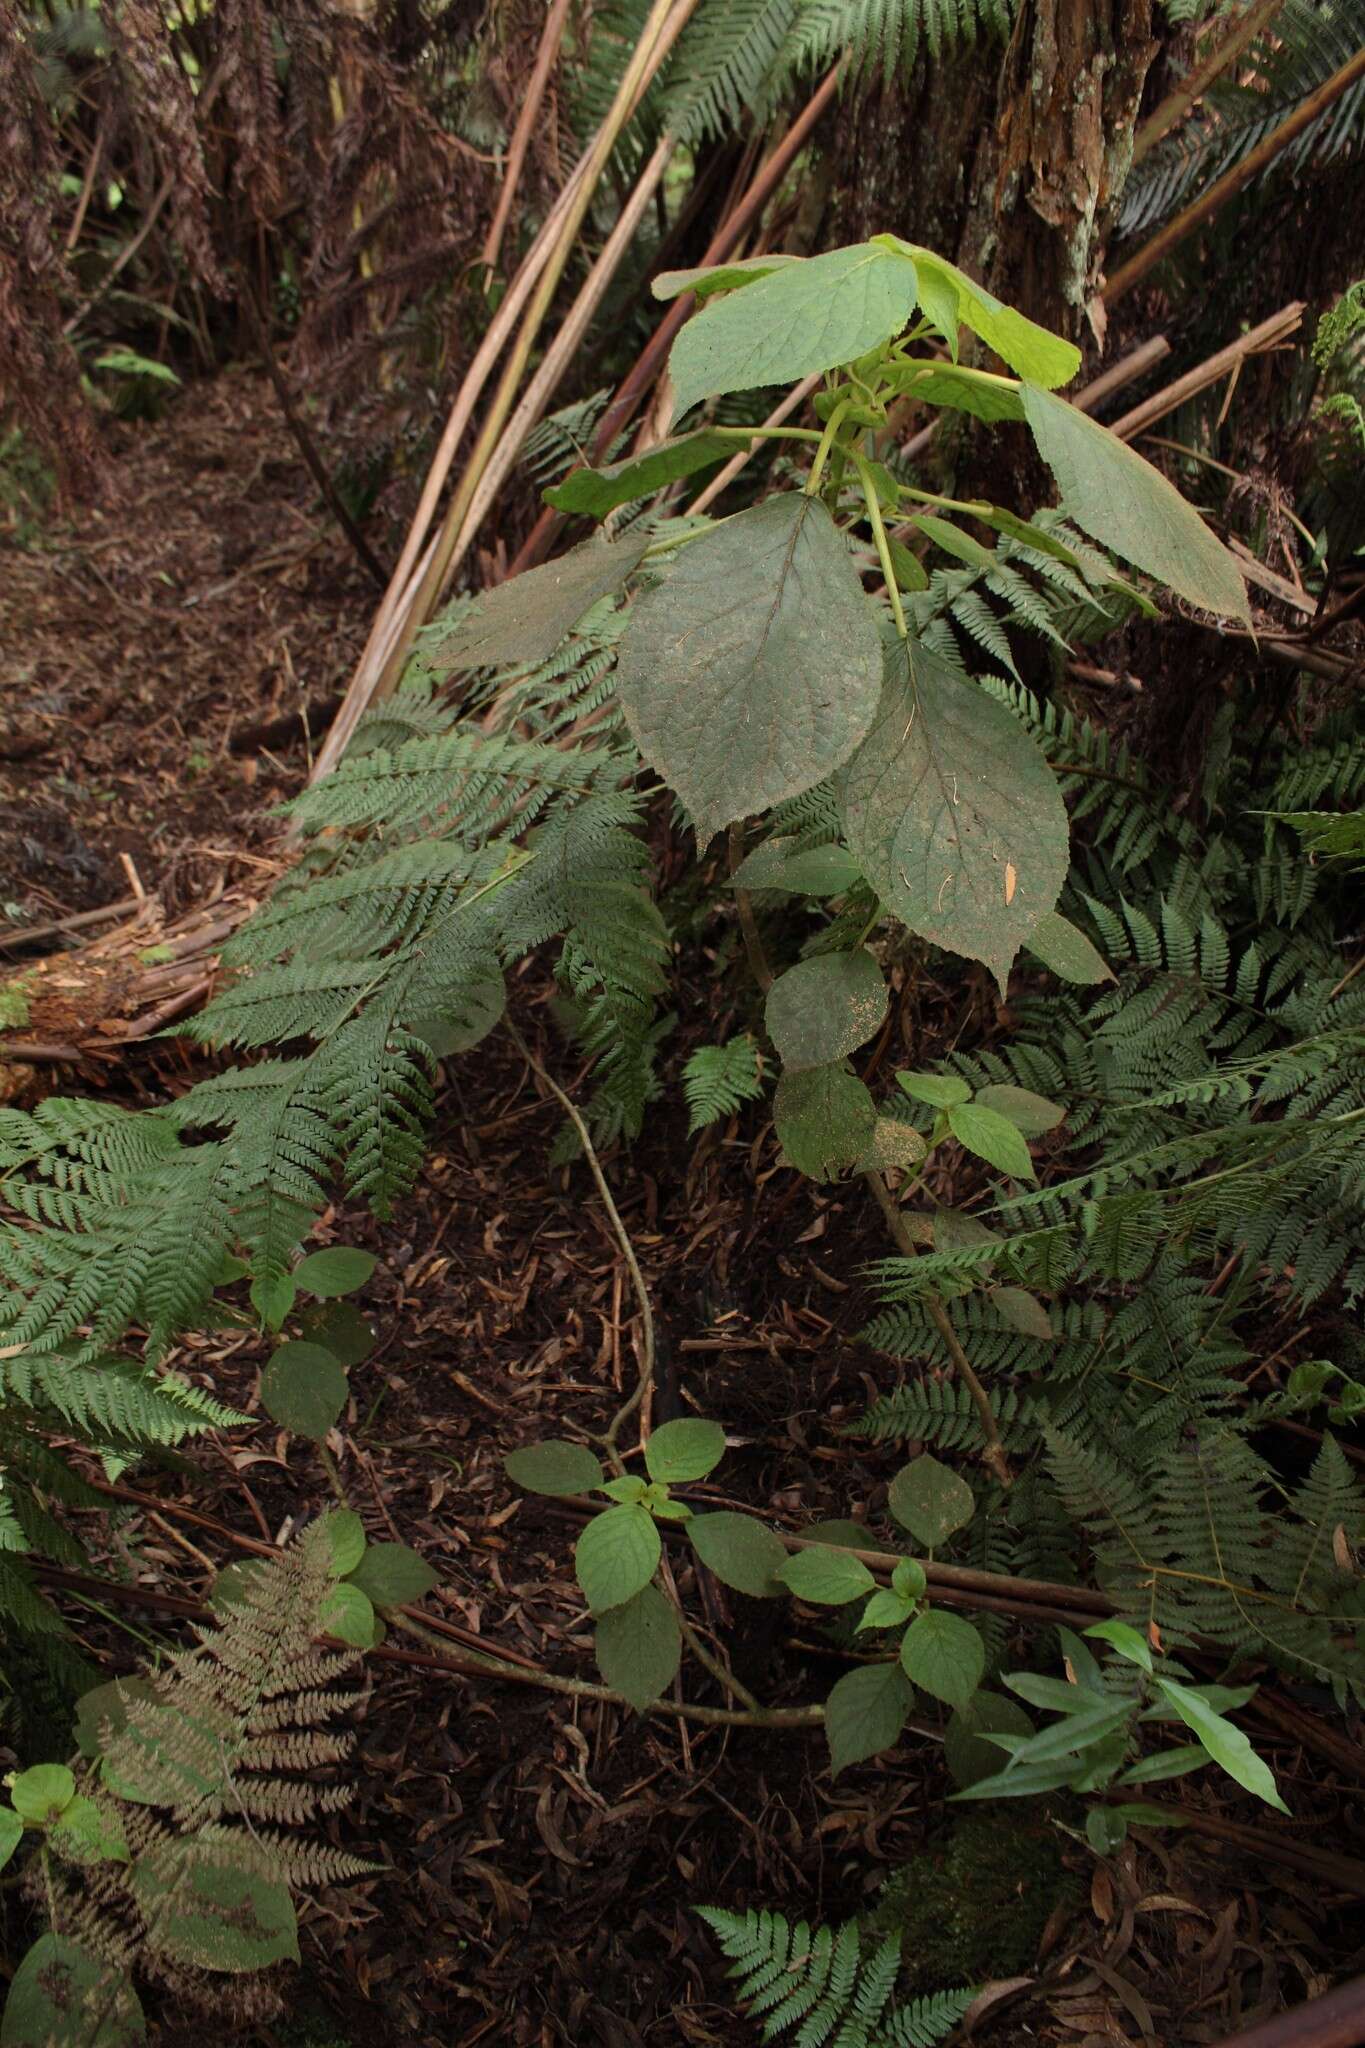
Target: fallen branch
x=550 y=39
x=1226 y=362
x=1179 y=103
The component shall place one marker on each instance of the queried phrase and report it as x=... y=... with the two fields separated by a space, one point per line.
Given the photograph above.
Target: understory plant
x=1161 y=1140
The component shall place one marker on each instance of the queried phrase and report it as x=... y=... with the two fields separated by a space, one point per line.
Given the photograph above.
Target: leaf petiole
x=874 y=513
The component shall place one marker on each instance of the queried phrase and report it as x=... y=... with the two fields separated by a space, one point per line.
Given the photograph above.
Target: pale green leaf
x=1030 y=350
x=89 y=1832
x=885 y=1609
x=824 y=1008
x=1019 y=1310
x=617 y=1553
x=707 y=278
x=955 y=540
x=555 y=1467
x=524 y=620
x=826 y=1577
x=953 y=813
x=595 y=492
x=940 y=1091
x=1224 y=1742
x=798 y=319
x=930 y=1500
x=967 y=1753
x=1056 y=942
x=216 y=1917
x=865 y=1713
x=893 y=1144
x=991 y=1137
x=393 y=1575
x=688 y=1448
x=40 y=1793
x=338 y=1270
x=638 y=1646
x=825 y=1119
x=944 y=1655
x=348 y=1614
x=1128 y=506
x=742 y=1552
x=11 y=1833
x=1123 y=1637
x=754 y=669
x=819 y=871
x=1032 y=1114
x=346 y=1539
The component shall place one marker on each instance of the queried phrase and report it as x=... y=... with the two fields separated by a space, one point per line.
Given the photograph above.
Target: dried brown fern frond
x=161 y=105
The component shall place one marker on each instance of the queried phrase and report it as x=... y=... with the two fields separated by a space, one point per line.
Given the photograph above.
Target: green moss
x=973 y=1905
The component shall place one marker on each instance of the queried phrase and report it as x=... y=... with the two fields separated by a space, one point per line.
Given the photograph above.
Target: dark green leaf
x=955 y=540
x=966 y=1752
x=554 y=1467
x=991 y=1137
x=826 y=1577
x=953 y=813
x=1068 y=952
x=272 y=1297
x=340 y=1329
x=1128 y=506
x=945 y=1655
x=464 y=1020
x=865 y=1713
x=638 y=1646
x=338 y=1270
x=892 y=1144
x=304 y=1389
x=910 y=573
x=930 y=1500
x=11 y=1833
x=824 y=1008
x=754 y=670
x=1105 y=1829
x=740 y=1551
x=595 y=492
x=820 y=871
x=825 y=1120
x=216 y=1917
x=803 y=317
x=524 y=620
x=686 y=1449
x=392 y=1575
x=62 y=1996
x=617 y=1553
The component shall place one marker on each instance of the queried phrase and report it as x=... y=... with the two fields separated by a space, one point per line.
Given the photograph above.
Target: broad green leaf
x=824 y=1119
x=595 y=492
x=819 y=871
x=1224 y=1742
x=11 y=1833
x=472 y=1011
x=953 y=814
x=893 y=1144
x=955 y=540
x=885 y=1609
x=824 y=1008
x=340 y=1329
x=617 y=1553
x=62 y=1996
x=230 y=1589
x=628 y=1487
x=967 y=1753
x=1128 y=506
x=991 y=399
x=956 y=1231
x=524 y=620
x=338 y=1270
x=304 y=1389
x=801 y=318
x=754 y=669
x=840 y=1533
x=1019 y=1310
x=1032 y=1114
x=707 y=278
x=346 y=1539
x=1056 y=942
x=940 y=1091
x=393 y=1575
x=930 y=1500
x=686 y=1449
x=740 y=1551
x=945 y=1655
x=826 y=1577
x=215 y=1916
x=1030 y=350
x=1123 y=1637
x=991 y=1137
x=90 y=1833
x=40 y=1793
x=908 y=570
x=348 y=1614
x=865 y=1713
x=555 y=1467
x=638 y=1646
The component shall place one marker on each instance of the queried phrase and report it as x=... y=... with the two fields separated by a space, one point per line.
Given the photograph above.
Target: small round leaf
x=555 y=1467
x=348 y=1613
x=686 y=1449
x=304 y=1389
x=40 y=1793
x=393 y=1575
x=338 y=1270
x=930 y=1500
x=740 y=1551
x=617 y=1553
x=823 y=1009
x=826 y=1577
x=639 y=1646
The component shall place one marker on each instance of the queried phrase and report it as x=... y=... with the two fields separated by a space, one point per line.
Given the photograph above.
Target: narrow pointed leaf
x=595 y=492
x=991 y=1137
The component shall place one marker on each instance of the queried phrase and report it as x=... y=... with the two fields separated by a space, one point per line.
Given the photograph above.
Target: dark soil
x=541 y=1856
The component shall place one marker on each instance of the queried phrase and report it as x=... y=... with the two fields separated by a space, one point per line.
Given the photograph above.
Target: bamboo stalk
x=1270 y=332
x=1136 y=268
x=551 y=37
x=408 y=603
x=1195 y=84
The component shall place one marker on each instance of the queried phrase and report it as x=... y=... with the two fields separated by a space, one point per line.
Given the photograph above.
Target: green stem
x=874 y=513
x=826 y=440
x=328 y=1464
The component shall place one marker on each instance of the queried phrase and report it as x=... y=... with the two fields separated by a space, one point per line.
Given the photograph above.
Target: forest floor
x=540 y=1857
